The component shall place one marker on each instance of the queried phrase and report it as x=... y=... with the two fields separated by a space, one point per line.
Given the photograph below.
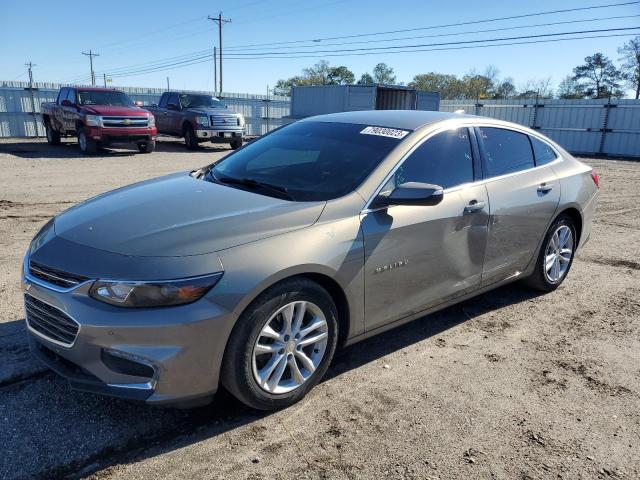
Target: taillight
x=595 y=178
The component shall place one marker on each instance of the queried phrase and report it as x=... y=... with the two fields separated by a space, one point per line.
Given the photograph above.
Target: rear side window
x=505 y=151
x=445 y=159
x=543 y=152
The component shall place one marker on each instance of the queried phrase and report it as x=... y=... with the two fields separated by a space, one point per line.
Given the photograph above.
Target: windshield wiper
x=253 y=183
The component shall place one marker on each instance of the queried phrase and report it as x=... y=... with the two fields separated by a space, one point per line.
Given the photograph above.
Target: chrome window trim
x=43 y=336
x=365 y=210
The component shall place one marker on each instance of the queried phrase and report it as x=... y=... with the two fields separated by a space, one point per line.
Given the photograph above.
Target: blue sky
x=128 y=34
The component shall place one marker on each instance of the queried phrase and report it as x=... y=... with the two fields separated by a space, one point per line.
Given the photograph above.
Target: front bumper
x=219 y=135
x=179 y=349
x=122 y=134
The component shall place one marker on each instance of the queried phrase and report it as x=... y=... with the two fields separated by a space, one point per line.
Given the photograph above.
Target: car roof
x=96 y=89
x=402 y=119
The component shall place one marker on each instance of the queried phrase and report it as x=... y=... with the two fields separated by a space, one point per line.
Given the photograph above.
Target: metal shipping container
x=321 y=99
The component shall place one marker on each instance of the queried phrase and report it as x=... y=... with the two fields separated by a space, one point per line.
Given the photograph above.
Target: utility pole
x=168 y=87
x=90 y=54
x=104 y=79
x=220 y=21
x=30 y=66
x=215 y=71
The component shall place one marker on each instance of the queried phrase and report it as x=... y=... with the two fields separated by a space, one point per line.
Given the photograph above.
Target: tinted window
x=71 y=96
x=506 y=151
x=445 y=159
x=543 y=152
x=188 y=100
x=163 y=100
x=173 y=98
x=62 y=95
x=312 y=160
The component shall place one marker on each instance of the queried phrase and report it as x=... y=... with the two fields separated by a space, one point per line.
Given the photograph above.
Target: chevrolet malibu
x=250 y=272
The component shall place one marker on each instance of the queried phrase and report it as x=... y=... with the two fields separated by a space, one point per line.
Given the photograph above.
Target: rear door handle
x=474 y=206
x=544 y=188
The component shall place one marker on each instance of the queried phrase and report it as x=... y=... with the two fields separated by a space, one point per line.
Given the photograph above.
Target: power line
x=431 y=27
x=90 y=54
x=220 y=21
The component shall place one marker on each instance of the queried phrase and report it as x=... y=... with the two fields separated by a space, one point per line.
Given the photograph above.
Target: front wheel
x=236 y=144
x=87 y=146
x=147 y=147
x=190 y=139
x=556 y=255
x=53 y=137
x=281 y=346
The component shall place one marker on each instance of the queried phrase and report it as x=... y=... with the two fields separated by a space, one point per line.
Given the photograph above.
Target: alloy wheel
x=290 y=347
x=558 y=254
x=82 y=140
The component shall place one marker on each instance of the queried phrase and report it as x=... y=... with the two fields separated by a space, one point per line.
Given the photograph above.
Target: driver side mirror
x=67 y=103
x=137 y=103
x=411 y=193
x=172 y=106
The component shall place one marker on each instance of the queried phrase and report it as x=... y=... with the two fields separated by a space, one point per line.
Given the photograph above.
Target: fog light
x=126 y=364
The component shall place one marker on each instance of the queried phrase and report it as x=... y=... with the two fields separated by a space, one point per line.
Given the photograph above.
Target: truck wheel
x=147 y=147
x=236 y=144
x=87 y=146
x=190 y=139
x=53 y=137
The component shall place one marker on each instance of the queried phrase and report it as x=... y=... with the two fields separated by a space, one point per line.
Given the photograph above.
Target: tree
x=570 y=89
x=601 y=76
x=448 y=85
x=535 y=87
x=382 y=73
x=630 y=59
x=366 y=79
x=505 y=89
x=340 y=76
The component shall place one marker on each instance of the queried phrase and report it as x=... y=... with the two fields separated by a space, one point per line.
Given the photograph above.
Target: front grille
x=125 y=122
x=54 y=276
x=50 y=322
x=225 y=121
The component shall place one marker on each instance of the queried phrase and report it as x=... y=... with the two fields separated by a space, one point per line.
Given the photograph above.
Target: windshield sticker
x=385 y=132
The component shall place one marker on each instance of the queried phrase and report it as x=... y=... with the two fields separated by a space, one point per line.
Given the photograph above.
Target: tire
x=241 y=369
x=87 y=146
x=53 y=137
x=190 y=139
x=236 y=144
x=147 y=147
x=543 y=278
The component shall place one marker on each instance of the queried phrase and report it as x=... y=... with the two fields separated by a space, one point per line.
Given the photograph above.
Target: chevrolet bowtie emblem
x=126 y=121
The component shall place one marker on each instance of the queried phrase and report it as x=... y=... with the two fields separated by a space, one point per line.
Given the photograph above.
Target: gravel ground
x=508 y=385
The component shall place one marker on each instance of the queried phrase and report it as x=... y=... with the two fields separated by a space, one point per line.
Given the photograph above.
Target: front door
x=419 y=256
x=523 y=197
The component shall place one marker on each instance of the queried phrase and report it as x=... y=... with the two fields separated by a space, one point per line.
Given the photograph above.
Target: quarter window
x=505 y=151
x=445 y=159
x=543 y=152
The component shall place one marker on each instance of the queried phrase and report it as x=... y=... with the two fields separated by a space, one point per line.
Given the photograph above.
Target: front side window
x=310 y=160
x=71 y=96
x=543 y=152
x=62 y=94
x=444 y=159
x=104 y=97
x=505 y=151
x=188 y=100
x=163 y=100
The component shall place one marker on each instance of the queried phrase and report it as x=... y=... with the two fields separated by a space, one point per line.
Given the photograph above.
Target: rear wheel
x=555 y=256
x=236 y=144
x=87 y=146
x=53 y=137
x=147 y=147
x=190 y=139
x=281 y=346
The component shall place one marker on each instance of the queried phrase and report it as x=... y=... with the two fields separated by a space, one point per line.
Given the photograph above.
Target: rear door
x=523 y=197
x=419 y=256
x=58 y=112
x=161 y=114
x=174 y=117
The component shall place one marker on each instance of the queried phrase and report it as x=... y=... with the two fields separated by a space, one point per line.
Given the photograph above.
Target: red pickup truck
x=98 y=117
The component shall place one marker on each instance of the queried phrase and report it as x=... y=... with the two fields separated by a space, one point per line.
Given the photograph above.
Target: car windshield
x=310 y=161
x=98 y=97
x=188 y=101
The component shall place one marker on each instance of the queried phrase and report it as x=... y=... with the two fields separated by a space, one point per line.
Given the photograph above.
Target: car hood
x=115 y=111
x=178 y=215
x=211 y=111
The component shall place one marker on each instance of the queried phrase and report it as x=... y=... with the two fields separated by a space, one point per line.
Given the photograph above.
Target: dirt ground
x=509 y=385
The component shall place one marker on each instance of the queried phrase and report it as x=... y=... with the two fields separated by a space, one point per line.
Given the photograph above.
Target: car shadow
x=49 y=415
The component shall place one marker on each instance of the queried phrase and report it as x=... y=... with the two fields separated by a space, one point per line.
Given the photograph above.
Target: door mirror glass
x=411 y=193
x=137 y=103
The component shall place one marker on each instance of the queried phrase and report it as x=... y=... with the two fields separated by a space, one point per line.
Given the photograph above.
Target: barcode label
x=385 y=132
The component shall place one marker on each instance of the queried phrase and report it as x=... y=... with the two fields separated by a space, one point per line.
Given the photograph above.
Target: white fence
x=20 y=107
x=606 y=127
x=603 y=127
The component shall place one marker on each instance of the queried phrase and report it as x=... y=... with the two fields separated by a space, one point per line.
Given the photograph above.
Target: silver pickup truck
x=198 y=118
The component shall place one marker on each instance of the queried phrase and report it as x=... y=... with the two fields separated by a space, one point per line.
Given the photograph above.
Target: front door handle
x=474 y=206
x=544 y=188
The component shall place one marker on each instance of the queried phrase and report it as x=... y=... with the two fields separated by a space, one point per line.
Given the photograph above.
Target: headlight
x=153 y=294
x=152 y=121
x=93 y=120
x=202 y=120
x=241 y=121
